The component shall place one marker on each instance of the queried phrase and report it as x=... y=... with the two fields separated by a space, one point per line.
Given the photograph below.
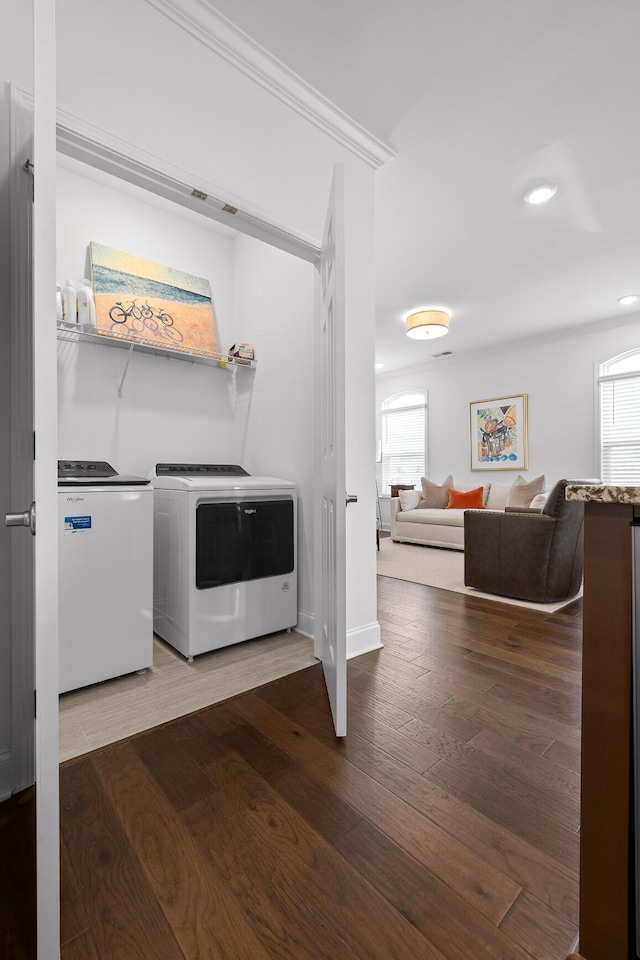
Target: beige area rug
x=438 y=567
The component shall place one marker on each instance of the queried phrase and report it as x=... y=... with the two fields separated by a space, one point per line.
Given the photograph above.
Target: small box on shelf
x=242 y=351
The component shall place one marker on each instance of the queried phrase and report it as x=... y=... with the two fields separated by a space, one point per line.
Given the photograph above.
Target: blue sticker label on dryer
x=77 y=525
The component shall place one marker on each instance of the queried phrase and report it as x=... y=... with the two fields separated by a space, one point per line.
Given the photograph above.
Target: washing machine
x=105 y=573
x=224 y=567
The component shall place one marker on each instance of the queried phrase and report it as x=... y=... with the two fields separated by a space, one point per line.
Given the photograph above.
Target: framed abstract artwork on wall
x=498 y=432
x=139 y=299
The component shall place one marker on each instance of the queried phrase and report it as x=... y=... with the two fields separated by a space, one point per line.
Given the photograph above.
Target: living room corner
x=559 y=376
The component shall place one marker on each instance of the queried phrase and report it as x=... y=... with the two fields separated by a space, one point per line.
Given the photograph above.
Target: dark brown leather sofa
x=528 y=555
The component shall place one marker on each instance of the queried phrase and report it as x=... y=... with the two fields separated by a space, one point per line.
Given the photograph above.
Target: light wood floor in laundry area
x=445 y=826
x=105 y=712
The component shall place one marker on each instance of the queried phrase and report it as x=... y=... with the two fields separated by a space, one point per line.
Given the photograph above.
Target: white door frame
x=45 y=484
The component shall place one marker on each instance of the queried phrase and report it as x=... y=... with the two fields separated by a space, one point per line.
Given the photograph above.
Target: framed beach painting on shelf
x=142 y=300
x=498 y=431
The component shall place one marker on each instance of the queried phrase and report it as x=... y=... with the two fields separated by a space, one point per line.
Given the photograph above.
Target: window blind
x=620 y=429
x=403 y=435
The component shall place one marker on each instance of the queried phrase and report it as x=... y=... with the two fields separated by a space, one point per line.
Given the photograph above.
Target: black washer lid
x=95 y=473
x=200 y=470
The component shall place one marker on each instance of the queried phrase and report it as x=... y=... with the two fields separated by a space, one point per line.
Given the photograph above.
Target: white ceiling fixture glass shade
x=540 y=193
x=427 y=324
x=628 y=299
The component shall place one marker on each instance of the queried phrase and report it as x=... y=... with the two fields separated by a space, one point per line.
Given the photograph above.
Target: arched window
x=404 y=439
x=620 y=419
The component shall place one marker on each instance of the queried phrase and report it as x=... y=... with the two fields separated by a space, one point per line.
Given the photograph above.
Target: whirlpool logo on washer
x=75 y=499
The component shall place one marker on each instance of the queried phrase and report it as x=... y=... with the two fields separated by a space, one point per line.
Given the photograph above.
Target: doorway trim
x=96 y=147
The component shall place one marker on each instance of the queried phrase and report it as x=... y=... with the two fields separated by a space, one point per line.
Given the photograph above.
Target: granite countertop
x=602 y=493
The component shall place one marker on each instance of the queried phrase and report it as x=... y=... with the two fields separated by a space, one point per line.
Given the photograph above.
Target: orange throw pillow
x=470 y=500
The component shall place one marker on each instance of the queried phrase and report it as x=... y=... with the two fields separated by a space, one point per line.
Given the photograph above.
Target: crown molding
x=202 y=21
x=507 y=346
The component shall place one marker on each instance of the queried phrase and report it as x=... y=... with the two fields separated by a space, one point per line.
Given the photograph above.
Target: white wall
x=169 y=409
x=178 y=101
x=558 y=377
x=203 y=116
x=16 y=43
x=273 y=308
x=173 y=97
x=175 y=410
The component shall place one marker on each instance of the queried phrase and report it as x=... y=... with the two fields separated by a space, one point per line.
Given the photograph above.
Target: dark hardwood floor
x=444 y=826
x=18 y=876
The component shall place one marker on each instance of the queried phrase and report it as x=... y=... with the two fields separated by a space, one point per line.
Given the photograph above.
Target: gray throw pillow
x=434 y=496
x=523 y=491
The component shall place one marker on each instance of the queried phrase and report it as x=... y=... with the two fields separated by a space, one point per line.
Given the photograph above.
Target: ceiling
x=478 y=100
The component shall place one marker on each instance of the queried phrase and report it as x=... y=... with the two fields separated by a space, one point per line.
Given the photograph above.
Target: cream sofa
x=439 y=526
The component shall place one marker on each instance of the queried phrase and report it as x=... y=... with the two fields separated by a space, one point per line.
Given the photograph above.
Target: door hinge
x=34 y=444
x=35 y=710
x=29 y=167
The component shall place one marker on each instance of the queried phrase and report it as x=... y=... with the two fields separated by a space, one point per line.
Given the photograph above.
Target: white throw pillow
x=409 y=499
x=498 y=496
x=538 y=501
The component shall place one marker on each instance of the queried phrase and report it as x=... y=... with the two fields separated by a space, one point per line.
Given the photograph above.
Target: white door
x=331 y=627
x=34 y=628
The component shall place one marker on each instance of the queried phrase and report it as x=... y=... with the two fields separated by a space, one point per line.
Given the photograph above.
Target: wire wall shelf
x=82 y=333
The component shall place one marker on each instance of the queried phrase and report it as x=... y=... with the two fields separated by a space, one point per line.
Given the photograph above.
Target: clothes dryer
x=224 y=566
x=105 y=557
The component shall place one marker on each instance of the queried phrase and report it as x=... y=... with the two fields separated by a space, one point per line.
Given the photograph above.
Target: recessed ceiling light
x=379 y=366
x=628 y=299
x=540 y=193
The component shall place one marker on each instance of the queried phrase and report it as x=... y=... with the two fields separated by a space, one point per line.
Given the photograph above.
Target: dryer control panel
x=200 y=470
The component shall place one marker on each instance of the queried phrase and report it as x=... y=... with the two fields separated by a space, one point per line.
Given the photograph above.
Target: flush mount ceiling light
x=379 y=366
x=627 y=300
x=427 y=324
x=540 y=193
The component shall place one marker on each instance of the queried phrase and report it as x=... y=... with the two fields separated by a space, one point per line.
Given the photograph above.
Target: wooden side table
x=401 y=486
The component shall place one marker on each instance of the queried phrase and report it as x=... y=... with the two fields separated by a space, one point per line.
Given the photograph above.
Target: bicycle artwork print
x=142 y=300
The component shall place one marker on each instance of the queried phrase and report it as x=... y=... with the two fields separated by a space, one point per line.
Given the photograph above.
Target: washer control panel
x=84 y=469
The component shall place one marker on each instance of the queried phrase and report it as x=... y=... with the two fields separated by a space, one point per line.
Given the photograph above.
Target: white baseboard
x=363 y=640
x=5 y=775
x=359 y=640
x=305 y=624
